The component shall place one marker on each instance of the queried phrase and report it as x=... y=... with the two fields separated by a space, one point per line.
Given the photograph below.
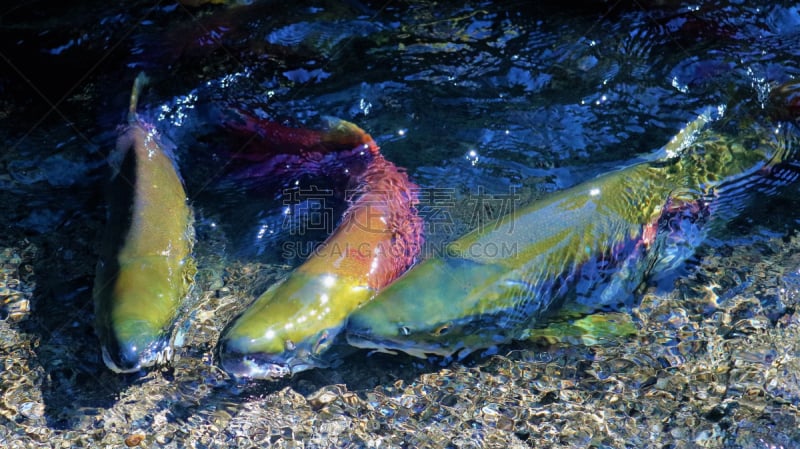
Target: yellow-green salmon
x=290 y=327
x=592 y=244
x=145 y=268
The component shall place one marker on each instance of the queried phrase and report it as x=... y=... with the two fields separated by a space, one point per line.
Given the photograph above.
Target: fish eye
x=441 y=330
x=405 y=331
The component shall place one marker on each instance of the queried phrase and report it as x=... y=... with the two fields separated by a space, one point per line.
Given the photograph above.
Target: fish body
x=145 y=268
x=573 y=245
x=290 y=327
x=591 y=246
x=268 y=151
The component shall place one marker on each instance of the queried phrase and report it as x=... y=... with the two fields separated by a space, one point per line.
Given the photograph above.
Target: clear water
x=488 y=98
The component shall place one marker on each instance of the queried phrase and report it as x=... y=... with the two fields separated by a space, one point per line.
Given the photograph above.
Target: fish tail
x=689 y=134
x=344 y=132
x=138 y=84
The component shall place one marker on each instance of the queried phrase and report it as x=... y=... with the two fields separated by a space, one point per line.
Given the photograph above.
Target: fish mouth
x=127 y=357
x=257 y=365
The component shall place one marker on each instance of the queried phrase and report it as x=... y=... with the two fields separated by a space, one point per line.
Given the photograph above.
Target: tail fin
x=343 y=132
x=772 y=176
x=138 y=84
x=688 y=135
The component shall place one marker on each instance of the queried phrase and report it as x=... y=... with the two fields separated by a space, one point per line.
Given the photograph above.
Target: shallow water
x=481 y=103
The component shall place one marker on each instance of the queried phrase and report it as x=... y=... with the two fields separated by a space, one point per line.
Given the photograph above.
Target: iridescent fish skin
x=145 y=268
x=268 y=152
x=569 y=245
x=590 y=245
x=290 y=327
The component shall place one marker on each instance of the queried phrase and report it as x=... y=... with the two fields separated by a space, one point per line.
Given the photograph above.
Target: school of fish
x=587 y=248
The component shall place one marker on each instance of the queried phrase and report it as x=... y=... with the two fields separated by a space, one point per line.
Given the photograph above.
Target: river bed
x=488 y=105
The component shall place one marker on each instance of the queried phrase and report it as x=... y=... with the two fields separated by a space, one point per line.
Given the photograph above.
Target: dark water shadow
x=75 y=381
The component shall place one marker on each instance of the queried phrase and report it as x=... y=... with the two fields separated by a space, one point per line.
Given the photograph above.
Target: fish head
x=238 y=359
x=440 y=307
x=135 y=345
x=291 y=327
x=133 y=317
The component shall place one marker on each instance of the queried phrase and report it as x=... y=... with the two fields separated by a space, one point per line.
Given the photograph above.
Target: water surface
x=482 y=103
